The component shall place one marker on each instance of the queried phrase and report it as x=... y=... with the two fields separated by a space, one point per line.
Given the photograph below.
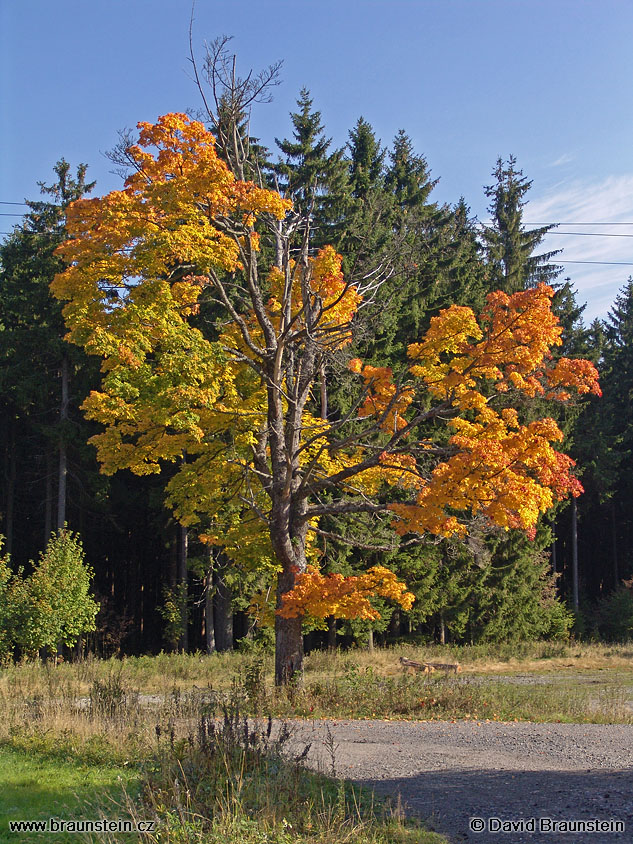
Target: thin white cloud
x=565 y=158
x=608 y=201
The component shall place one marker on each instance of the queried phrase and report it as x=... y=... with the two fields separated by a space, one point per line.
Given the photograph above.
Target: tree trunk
x=11 y=473
x=393 y=630
x=614 y=545
x=63 y=457
x=331 y=633
x=370 y=639
x=574 y=554
x=48 y=502
x=209 y=629
x=323 y=385
x=442 y=628
x=288 y=638
x=223 y=606
x=183 y=644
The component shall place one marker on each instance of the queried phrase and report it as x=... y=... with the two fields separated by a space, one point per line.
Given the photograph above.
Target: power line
x=605 y=263
x=590 y=234
x=618 y=223
x=532 y=223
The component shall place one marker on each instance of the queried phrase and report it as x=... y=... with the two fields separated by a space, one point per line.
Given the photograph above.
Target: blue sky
x=469 y=80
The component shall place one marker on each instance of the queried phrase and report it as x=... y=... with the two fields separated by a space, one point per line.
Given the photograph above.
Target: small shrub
x=52 y=605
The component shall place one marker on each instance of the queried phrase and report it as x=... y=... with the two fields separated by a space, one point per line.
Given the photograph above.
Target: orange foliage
x=344 y=597
x=502 y=469
x=332 y=301
x=384 y=400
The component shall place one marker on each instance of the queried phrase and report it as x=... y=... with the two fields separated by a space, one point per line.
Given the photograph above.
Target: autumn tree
x=184 y=230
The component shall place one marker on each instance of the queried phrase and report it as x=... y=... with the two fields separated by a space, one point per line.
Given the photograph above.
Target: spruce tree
x=408 y=176
x=314 y=178
x=608 y=439
x=510 y=248
x=366 y=160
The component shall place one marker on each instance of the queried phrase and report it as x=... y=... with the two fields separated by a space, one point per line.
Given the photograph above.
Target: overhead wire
x=531 y=223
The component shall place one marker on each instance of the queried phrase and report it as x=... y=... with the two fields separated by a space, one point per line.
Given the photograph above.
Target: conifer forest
x=284 y=395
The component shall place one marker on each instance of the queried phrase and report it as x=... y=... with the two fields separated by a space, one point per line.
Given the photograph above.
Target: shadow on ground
x=448 y=800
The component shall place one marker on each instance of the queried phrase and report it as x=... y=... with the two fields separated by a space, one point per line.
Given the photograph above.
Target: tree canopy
x=432 y=446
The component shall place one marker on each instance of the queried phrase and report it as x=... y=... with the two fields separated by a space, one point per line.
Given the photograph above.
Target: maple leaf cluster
x=344 y=597
x=508 y=471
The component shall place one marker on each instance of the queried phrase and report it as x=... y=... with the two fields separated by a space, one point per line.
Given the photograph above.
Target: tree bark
x=63 y=456
x=323 y=385
x=11 y=473
x=183 y=644
x=331 y=633
x=48 y=502
x=288 y=638
x=574 y=554
x=442 y=628
x=614 y=545
x=209 y=628
x=393 y=630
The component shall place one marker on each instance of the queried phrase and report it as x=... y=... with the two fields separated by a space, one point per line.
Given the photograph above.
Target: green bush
x=52 y=605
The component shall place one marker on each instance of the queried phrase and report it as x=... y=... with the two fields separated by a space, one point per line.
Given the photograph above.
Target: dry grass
x=504 y=659
x=126 y=698
x=160 y=675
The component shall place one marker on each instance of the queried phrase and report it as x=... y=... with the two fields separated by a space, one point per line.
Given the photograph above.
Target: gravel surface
x=448 y=773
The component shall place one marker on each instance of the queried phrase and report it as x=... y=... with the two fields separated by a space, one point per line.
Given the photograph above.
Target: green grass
x=35 y=786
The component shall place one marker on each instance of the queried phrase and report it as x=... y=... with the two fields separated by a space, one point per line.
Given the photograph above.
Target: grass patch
x=33 y=786
x=237 y=780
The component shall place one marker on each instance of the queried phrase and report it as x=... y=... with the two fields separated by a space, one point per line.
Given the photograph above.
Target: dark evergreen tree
x=312 y=176
x=510 y=248
x=37 y=368
x=408 y=176
x=50 y=474
x=366 y=160
x=604 y=446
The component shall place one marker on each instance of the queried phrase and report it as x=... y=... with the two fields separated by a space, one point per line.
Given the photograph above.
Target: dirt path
x=448 y=773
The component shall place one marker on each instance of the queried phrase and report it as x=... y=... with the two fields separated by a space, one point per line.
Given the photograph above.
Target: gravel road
x=448 y=773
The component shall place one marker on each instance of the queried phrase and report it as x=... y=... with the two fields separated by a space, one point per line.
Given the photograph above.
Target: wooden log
x=445 y=666
x=416 y=666
x=429 y=667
